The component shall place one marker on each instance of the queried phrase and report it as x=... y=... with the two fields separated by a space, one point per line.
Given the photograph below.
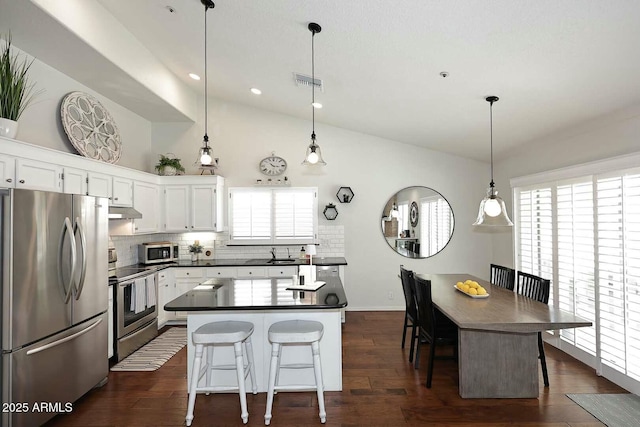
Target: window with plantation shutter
x=575 y=242
x=273 y=215
x=583 y=233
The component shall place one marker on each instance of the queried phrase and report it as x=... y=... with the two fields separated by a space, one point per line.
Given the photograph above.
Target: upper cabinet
x=122 y=192
x=98 y=184
x=146 y=200
x=7 y=171
x=193 y=203
x=74 y=181
x=36 y=175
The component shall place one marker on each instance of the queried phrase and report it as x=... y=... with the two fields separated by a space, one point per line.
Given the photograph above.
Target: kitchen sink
x=266 y=261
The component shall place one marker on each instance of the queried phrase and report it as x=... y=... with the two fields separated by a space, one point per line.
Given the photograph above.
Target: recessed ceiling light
x=256 y=91
x=316 y=105
x=194 y=76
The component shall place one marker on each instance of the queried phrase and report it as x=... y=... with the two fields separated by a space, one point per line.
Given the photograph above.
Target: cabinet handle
x=9 y=180
x=115 y=198
x=186 y=226
x=22 y=181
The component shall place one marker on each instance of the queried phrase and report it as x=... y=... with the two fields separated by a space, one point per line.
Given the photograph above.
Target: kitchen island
x=264 y=301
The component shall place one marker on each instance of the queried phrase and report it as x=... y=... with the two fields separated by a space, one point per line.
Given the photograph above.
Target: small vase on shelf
x=194 y=256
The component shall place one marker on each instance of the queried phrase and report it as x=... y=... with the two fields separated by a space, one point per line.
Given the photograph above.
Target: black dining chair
x=503 y=277
x=411 y=311
x=434 y=327
x=538 y=289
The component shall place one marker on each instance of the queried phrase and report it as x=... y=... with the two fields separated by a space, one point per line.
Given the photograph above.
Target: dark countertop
x=258 y=262
x=258 y=294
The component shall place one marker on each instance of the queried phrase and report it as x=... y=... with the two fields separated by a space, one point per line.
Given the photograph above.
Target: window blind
x=436 y=225
x=273 y=215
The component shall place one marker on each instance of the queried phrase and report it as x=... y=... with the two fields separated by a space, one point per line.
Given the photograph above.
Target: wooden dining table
x=498 y=336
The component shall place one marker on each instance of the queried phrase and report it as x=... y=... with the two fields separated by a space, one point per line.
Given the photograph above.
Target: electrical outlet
x=390 y=295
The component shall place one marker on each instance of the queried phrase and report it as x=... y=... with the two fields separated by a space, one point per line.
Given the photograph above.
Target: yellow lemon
x=473 y=291
x=465 y=288
x=482 y=291
x=467 y=282
x=473 y=285
x=459 y=285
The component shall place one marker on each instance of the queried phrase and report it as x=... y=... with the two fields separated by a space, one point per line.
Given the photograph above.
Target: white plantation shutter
x=535 y=233
x=575 y=240
x=250 y=215
x=593 y=223
x=294 y=214
x=619 y=267
x=273 y=215
x=252 y=292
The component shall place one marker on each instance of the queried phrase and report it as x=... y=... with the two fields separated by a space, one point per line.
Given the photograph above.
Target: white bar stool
x=295 y=332
x=214 y=334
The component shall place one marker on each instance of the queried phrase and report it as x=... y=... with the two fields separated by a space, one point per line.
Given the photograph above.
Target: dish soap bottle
x=303 y=254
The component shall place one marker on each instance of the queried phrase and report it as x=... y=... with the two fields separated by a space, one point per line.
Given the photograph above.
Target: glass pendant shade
x=314 y=154
x=394 y=212
x=493 y=211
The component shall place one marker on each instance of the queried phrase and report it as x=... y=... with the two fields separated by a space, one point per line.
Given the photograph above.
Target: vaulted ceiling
x=555 y=64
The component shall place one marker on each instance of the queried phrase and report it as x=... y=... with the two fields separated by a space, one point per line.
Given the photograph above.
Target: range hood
x=121 y=212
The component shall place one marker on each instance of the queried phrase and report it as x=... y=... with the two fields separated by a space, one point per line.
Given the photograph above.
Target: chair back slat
x=504 y=277
x=534 y=287
x=408 y=287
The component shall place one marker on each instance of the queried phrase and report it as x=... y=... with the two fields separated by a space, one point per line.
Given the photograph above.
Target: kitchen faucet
x=273 y=253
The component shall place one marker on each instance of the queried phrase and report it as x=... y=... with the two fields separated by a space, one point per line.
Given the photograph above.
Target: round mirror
x=417 y=222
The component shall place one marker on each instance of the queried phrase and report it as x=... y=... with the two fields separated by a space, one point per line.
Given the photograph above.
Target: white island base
x=330 y=347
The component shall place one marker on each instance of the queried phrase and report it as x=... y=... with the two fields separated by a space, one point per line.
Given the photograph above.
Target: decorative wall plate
x=90 y=127
x=413 y=214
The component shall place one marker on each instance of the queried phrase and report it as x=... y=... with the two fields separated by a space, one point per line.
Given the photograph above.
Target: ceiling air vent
x=304 y=80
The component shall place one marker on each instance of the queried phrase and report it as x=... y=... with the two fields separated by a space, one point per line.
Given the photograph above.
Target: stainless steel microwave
x=157 y=252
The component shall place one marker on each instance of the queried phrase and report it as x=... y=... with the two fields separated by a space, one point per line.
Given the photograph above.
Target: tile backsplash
x=330 y=244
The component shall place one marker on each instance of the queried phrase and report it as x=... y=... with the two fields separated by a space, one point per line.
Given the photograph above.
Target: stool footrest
x=216 y=388
x=295 y=387
x=297 y=366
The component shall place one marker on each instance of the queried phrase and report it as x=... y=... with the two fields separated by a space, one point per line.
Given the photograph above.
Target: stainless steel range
x=136 y=310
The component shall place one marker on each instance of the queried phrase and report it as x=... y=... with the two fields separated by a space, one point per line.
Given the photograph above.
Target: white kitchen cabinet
x=7 y=171
x=74 y=181
x=146 y=200
x=176 y=208
x=122 y=190
x=195 y=207
x=98 y=184
x=36 y=175
x=222 y=272
x=282 y=271
x=166 y=293
x=110 y=320
x=251 y=272
x=185 y=280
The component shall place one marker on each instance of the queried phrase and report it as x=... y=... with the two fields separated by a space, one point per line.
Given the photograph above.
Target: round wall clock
x=413 y=214
x=273 y=165
x=90 y=128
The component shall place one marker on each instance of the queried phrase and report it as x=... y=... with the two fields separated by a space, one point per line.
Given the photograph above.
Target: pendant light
x=314 y=155
x=493 y=211
x=206 y=157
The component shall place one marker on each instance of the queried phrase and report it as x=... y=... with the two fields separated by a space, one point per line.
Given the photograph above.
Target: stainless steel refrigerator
x=53 y=265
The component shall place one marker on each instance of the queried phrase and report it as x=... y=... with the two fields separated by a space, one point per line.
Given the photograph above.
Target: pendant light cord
x=206 y=95
x=491 y=184
x=313 y=90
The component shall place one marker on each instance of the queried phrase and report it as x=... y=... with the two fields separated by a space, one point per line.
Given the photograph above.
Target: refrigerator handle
x=67 y=231
x=63 y=340
x=83 y=243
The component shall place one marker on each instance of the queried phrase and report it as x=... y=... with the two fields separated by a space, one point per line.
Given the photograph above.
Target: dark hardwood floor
x=380 y=388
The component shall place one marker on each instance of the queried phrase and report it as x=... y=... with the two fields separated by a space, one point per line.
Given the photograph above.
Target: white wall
x=374 y=168
x=40 y=123
x=610 y=136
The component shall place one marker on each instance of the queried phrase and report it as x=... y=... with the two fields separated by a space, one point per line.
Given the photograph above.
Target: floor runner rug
x=155 y=353
x=614 y=410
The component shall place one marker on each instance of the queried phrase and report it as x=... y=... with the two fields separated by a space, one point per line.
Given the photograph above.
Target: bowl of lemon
x=472 y=289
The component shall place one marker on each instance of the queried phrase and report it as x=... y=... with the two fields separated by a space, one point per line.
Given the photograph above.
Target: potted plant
x=169 y=165
x=195 y=249
x=16 y=92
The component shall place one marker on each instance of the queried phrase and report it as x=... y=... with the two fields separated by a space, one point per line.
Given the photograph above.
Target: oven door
x=136 y=303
